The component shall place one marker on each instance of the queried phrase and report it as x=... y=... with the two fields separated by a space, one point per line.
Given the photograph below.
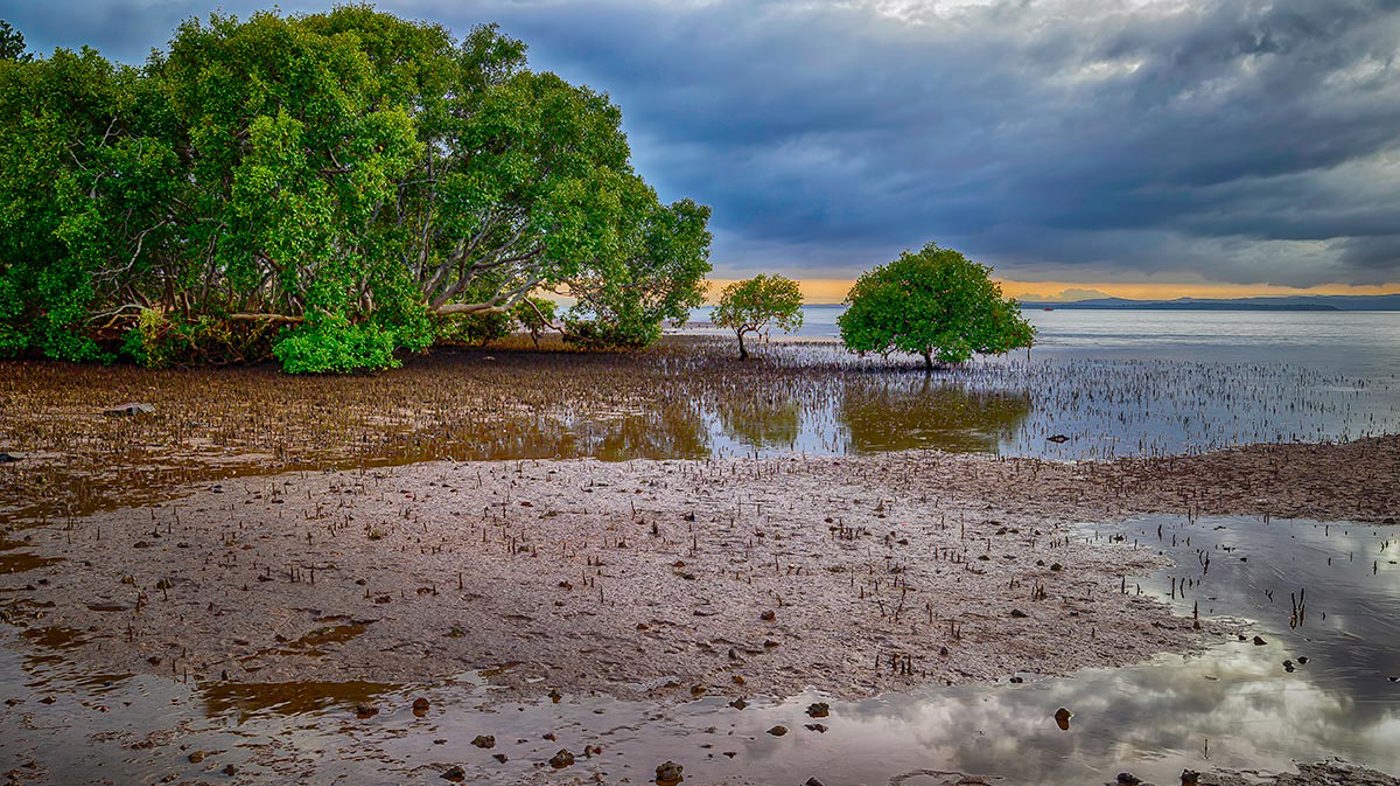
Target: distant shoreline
x=1175 y=306
x=1331 y=303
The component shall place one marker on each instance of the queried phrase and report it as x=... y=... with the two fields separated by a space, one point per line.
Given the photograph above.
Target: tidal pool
x=1323 y=597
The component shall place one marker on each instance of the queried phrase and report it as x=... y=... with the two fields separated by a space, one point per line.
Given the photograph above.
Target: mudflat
x=659 y=578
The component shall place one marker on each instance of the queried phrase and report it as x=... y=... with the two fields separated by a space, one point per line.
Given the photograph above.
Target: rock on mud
x=562 y=759
x=129 y=409
x=668 y=773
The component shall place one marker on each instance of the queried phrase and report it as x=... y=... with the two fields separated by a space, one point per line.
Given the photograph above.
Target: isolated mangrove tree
x=329 y=190
x=936 y=304
x=757 y=305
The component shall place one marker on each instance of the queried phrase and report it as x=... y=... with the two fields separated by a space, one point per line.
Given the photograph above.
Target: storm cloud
x=1225 y=141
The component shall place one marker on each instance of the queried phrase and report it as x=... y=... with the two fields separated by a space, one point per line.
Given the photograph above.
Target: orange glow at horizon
x=833 y=290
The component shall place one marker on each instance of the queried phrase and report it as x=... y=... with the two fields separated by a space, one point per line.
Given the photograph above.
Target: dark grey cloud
x=1217 y=140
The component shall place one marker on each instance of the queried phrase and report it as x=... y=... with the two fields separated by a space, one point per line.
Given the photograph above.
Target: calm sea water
x=1113 y=383
x=1355 y=343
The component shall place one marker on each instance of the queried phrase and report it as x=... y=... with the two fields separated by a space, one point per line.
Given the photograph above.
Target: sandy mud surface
x=663 y=579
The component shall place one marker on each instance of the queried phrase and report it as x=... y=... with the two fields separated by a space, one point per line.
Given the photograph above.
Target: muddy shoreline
x=657 y=579
x=314 y=544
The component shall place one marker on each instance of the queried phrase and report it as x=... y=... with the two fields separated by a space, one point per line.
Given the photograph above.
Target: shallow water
x=1113 y=382
x=1233 y=706
x=1362 y=344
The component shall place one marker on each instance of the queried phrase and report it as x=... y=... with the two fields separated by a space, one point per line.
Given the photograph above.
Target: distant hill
x=1290 y=303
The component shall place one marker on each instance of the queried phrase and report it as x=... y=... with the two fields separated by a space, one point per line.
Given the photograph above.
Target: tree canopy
x=757 y=305
x=327 y=189
x=936 y=304
x=11 y=43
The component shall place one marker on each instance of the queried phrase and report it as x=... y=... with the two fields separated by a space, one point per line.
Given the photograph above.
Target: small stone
x=561 y=759
x=484 y=741
x=229 y=770
x=738 y=704
x=500 y=757
x=1018 y=614
x=420 y=706
x=1302 y=660
x=1128 y=779
x=1190 y=778
x=196 y=757
x=1057 y=438
x=819 y=710
x=455 y=774
x=668 y=773
x=768 y=616
x=363 y=711
x=1259 y=641
x=1062 y=717
x=819 y=728
x=778 y=731
x=128 y=410
x=813 y=782
x=555 y=695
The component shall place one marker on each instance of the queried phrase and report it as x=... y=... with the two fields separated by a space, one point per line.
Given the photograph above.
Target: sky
x=1140 y=149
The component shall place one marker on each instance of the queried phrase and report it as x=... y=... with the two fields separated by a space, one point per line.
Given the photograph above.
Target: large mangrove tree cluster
x=329 y=190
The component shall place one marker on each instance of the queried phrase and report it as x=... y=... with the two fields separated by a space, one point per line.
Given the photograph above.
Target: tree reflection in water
x=764 y=420
x=905 y=414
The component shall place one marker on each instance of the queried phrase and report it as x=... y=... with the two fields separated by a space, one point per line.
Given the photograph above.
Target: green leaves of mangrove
x=326 y=189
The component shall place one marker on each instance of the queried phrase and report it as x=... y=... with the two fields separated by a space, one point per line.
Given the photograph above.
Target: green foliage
x=937 y=304
x=337 y=349
x=73 y=177
x=12 y=43
x=534 y=315
x=757 y=305
x=610 y=333
x=480 y=328
x=364 y=177
x=145 y=342
x=162 y=340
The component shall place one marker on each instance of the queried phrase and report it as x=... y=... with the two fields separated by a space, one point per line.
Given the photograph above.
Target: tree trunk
x=743 y=351
x=928 y=360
